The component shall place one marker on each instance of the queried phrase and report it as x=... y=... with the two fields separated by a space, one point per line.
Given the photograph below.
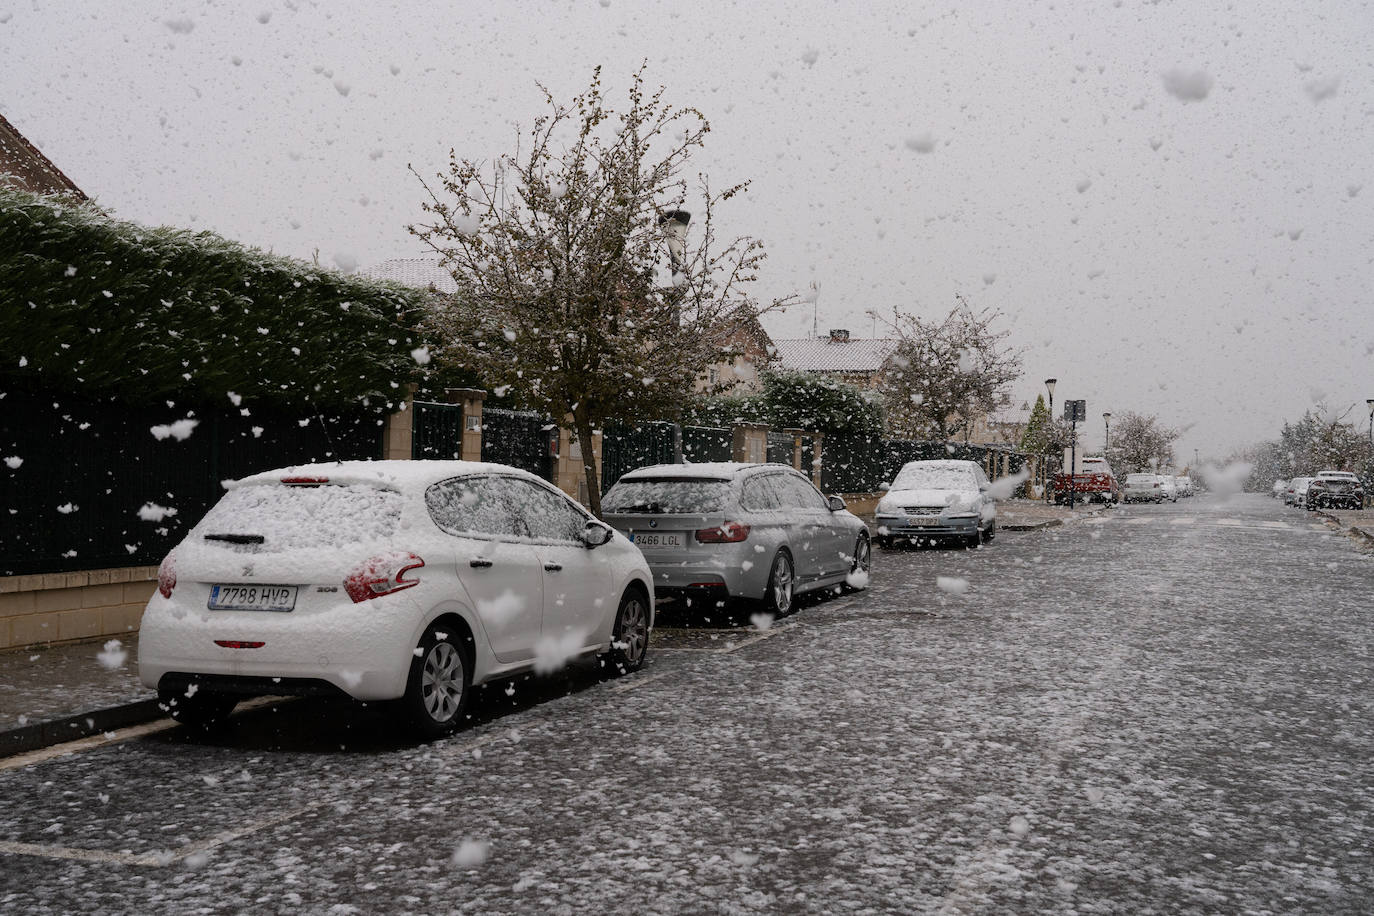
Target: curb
x=1364 y=535
x=1033 y=526
x=82 y=725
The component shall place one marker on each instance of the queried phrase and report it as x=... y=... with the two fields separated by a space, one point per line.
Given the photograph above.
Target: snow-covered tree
x=1140 y=443
x=576 y=285
x=944 y=374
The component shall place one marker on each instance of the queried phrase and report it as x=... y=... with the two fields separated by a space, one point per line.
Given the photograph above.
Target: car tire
x=440 y=683
x=630 y=638
x=884 y=542
x=202 y=710
x=863 y=560
x=779 y=598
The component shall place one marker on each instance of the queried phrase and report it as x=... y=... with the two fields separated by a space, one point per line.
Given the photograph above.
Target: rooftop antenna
x=815 y=309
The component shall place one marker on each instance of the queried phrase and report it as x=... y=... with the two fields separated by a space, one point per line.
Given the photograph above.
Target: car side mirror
x=835 y=503
x=596 y=533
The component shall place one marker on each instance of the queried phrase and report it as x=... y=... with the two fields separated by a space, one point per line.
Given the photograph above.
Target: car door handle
x=480 y=564
x=553 y=567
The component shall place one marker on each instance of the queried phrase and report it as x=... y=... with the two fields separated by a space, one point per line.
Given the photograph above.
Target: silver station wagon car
x=716 y=532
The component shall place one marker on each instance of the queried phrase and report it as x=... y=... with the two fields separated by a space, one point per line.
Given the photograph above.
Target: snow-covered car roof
x=1343 y=475
x=943 y=463
x=718 y=470
x=395 y=474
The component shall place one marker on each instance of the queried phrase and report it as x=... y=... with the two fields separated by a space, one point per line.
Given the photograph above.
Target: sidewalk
x=1355 y=523
x=1032 y=514
x=65 y=692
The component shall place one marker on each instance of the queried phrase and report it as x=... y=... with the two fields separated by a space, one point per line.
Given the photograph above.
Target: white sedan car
x=938 y=500
x=410 y=581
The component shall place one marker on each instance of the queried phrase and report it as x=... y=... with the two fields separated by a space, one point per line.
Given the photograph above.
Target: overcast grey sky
x=1170 y=201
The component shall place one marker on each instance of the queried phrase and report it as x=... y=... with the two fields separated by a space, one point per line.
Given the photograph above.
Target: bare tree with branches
x=558 y=248
x=944 y=374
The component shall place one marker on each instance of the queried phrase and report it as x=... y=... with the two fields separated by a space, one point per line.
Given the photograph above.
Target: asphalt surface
x=1161 y=709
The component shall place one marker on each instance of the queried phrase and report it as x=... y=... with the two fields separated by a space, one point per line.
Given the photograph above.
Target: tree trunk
x=583 y=427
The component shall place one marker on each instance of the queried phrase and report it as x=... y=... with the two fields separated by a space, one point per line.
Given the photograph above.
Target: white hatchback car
x=389 y=580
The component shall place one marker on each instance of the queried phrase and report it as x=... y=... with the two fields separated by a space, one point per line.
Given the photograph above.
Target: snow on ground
x=1162 y=717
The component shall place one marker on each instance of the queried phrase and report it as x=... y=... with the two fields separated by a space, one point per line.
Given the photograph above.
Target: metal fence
x=625 y=447
x=93 y=486
x=437 y=431
x=780 y=448
x=520 y=438
x=866 y=464
x=707 y=443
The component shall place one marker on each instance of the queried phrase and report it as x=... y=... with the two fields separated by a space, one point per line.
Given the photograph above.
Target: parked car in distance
x=410 y=581
x=1280 y=488
x=1297 y=491
x=1143 y=488
x=937 y=500
x=1335 y=490
x=1096 y=483
x=716 y=533
x=1185 y=485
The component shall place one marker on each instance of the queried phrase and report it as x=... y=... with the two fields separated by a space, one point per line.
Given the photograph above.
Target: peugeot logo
x=248 y=570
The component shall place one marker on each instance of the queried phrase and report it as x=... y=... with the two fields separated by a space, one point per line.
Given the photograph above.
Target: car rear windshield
x=272 y=517
x=671 y=496
x=1140 y=478
x=935 y=478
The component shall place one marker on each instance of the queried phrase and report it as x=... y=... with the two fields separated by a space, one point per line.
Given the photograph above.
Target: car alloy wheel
x=778 y=598
x=439 y=683
x=630 y=640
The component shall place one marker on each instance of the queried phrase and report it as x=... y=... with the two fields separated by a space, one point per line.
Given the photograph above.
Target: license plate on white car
x=252 y=597
x=657 y=539
x=923 y=519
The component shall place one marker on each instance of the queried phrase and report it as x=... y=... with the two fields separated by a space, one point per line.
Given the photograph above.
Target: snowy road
x=1164 y=709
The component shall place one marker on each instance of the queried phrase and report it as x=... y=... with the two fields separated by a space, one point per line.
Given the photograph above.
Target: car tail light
x=729 y=533
x=305 y=481
x=381 y=575
x=239 y=643
x=167 y=576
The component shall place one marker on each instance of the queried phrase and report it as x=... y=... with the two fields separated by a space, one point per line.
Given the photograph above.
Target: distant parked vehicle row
x=1157 y=488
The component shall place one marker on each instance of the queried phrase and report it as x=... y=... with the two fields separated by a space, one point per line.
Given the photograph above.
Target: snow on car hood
x=895 y=499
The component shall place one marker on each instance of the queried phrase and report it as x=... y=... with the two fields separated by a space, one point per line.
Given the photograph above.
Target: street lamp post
x=1049 y=386
x=1107 y=445
x=673 y=225
x=1370 y=402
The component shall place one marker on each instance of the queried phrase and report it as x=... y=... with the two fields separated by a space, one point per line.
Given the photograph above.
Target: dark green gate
x=707 y=443
x=437 y=431
x=521 y=439
x=625 y=447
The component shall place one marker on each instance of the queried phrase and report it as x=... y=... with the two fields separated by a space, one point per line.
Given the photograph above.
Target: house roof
x=822 y=354
x=421 y=273
x=22 y=165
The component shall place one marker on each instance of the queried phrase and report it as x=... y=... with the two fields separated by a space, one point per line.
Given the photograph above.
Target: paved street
x=1160 y=709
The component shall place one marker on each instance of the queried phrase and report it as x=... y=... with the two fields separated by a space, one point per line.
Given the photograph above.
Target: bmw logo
x=653 y=523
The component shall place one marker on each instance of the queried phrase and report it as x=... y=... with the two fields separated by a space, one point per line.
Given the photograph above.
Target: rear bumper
x=357 y=649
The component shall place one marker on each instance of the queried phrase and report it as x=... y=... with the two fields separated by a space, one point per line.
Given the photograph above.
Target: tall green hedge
x=97 y=306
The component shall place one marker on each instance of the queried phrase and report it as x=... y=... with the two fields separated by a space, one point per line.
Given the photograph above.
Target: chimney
x=839 y=335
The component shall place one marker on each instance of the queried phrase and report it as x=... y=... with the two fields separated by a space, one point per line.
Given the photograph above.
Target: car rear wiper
x=650 y=508
x=236 y=538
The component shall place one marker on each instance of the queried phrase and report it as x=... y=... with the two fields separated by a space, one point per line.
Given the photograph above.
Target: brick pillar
x=470 y=399
x=750 y=443
x=398 y=429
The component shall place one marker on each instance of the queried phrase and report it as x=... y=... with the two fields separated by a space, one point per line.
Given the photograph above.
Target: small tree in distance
x=1140 y=443
x=945 y=374
x=556 y=250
